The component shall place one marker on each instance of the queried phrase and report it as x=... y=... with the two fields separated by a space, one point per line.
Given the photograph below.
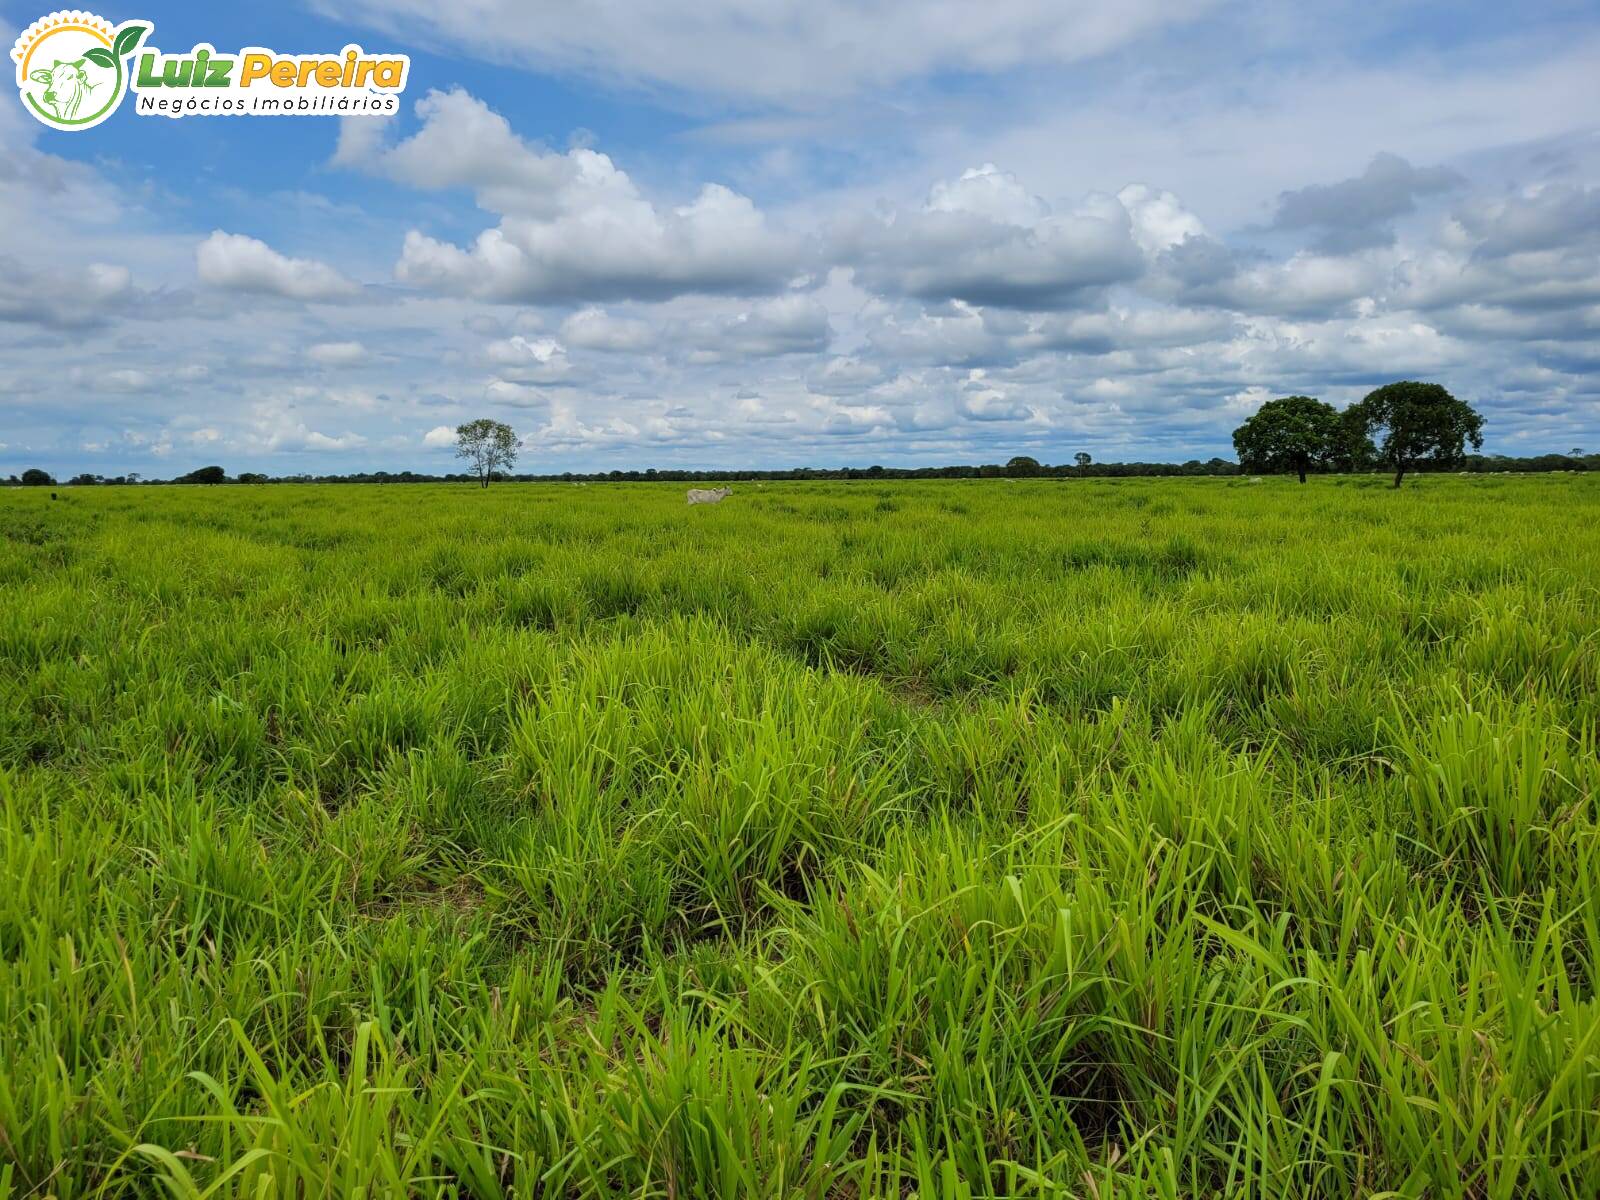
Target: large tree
x=1296 y=433
x=1419 y=423
x=489 y=445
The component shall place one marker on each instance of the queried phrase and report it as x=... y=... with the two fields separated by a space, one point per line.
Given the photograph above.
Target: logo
x=73 y=69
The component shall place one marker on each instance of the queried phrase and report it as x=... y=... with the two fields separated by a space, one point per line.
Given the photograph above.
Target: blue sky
x=784 y=233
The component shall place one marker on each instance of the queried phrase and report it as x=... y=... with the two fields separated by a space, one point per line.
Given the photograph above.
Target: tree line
x=1028 y=468
x=1399 y=428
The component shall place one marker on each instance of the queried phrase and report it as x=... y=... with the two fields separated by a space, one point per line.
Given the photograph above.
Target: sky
x=780 y=233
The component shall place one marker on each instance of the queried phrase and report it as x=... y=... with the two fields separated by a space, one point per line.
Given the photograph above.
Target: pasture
x=1086 y=838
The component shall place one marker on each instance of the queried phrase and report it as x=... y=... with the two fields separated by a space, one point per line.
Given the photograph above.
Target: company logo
x=73 y=69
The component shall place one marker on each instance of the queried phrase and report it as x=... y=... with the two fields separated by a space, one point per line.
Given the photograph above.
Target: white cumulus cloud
x=574 y=226
x=238 y=263
x=440 y=437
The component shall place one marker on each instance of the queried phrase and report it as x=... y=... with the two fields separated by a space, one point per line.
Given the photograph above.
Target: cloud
x=981 y=400
x=528 y=360
x=463 y=143
x=1124 y=329
x=1359 y=213
x=1502 y=322
x=987 y=192
x=574 y=227
x=947 y=333
x=521 y=351
x=1204 y=271
x=1158 y=217
x=1536 y=253
x=855 y=420
x=440 y=437
x=123 y=379
x=1547 y=217
x=274 y=426
x=793 y=324
x=596 y=329
x=61 y=299
x=717 y=244
x=844 y=377
x=784 y=51
x=510 y=393
x=310 y=439
x=338 y=354
x=238 y=263
x=983 y=240
x=360 y=138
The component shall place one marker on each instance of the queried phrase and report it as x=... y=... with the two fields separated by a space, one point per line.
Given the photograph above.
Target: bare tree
x=488 y=445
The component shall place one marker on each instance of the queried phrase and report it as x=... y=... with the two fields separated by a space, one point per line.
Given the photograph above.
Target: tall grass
x=1060 y=839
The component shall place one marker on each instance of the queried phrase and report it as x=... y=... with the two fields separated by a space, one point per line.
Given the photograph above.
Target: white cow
x=708 y=495
x=68 y=87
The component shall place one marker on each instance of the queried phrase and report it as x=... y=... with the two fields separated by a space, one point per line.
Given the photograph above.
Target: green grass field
x=1181 y=838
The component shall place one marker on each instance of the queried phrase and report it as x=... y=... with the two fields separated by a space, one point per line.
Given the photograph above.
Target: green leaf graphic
x=100 y=57
x=127 y=39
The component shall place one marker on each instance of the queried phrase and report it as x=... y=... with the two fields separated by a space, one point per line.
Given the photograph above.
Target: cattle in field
x=68 y=88
x=709 y=495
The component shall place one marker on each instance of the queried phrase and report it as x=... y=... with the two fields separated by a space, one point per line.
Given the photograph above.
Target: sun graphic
x=56 y=24
x=70 y=67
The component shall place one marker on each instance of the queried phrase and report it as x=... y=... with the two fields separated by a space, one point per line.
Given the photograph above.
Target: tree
x=1352 y=446
x=34 y=477
x=1022 y=465
x=1420 y=423
x=1082 y=459
x=211 y=474
x=488 y=445
x=1296 y=433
